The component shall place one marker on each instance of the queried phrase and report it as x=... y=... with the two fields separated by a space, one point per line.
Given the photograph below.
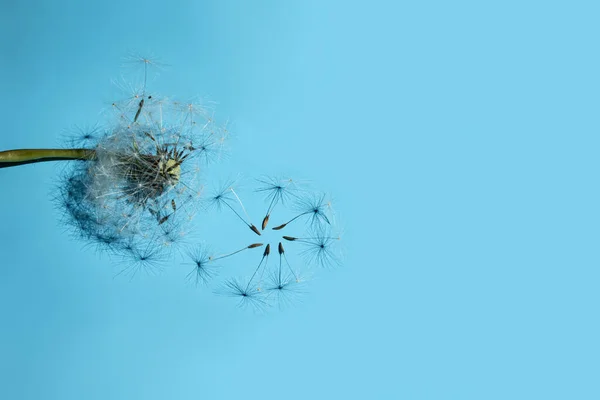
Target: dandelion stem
x=13 y=158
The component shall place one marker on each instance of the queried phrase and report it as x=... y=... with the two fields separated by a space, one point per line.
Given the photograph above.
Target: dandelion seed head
x=145 y=176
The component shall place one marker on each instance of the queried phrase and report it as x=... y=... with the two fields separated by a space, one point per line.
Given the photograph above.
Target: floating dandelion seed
x=226 y=197
x=204 y=269
x=239 y=290
x=277 y=191
x=319 y=249
x=284 y=285
x=252 y=246
x=314 y=208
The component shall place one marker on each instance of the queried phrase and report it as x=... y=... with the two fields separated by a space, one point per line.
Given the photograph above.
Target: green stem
x=12 y=158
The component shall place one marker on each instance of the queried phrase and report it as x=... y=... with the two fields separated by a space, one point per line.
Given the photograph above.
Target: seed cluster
x=135 y=197
x=279 y=283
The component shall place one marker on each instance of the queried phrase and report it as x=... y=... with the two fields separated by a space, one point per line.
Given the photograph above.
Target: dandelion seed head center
x=172 y=168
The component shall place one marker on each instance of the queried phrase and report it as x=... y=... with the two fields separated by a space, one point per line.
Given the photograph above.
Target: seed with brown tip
x=267 y=250
x=137 y=114
x=255 y=230
x=281 y=251
x=279 y=227
x=265 y=222
x=150 y=136
x=290 y=238
x=253 y=245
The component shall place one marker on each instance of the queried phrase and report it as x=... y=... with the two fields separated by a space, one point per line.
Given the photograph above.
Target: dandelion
x=132 y=186
x=141 y=183
x=133 y=182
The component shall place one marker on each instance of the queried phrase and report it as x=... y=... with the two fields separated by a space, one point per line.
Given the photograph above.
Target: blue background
x=459 y=140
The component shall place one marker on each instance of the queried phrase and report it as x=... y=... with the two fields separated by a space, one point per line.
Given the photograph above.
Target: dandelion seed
x=320 y=250
x=137 y=114
x=147 y=61
x=193 y=109
x=136 y=260
x=277 y=191
x=250 y=225
x=205 y=268
x=209 y=147
x=264 y=259
x=148 y=135
x=252 y=246
x=223 y=198
x=254 y=229
x=284 y=258
x=283 y=290
x=253 y=298
x=315 y=208
x=83 y=136
x=265 y=222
